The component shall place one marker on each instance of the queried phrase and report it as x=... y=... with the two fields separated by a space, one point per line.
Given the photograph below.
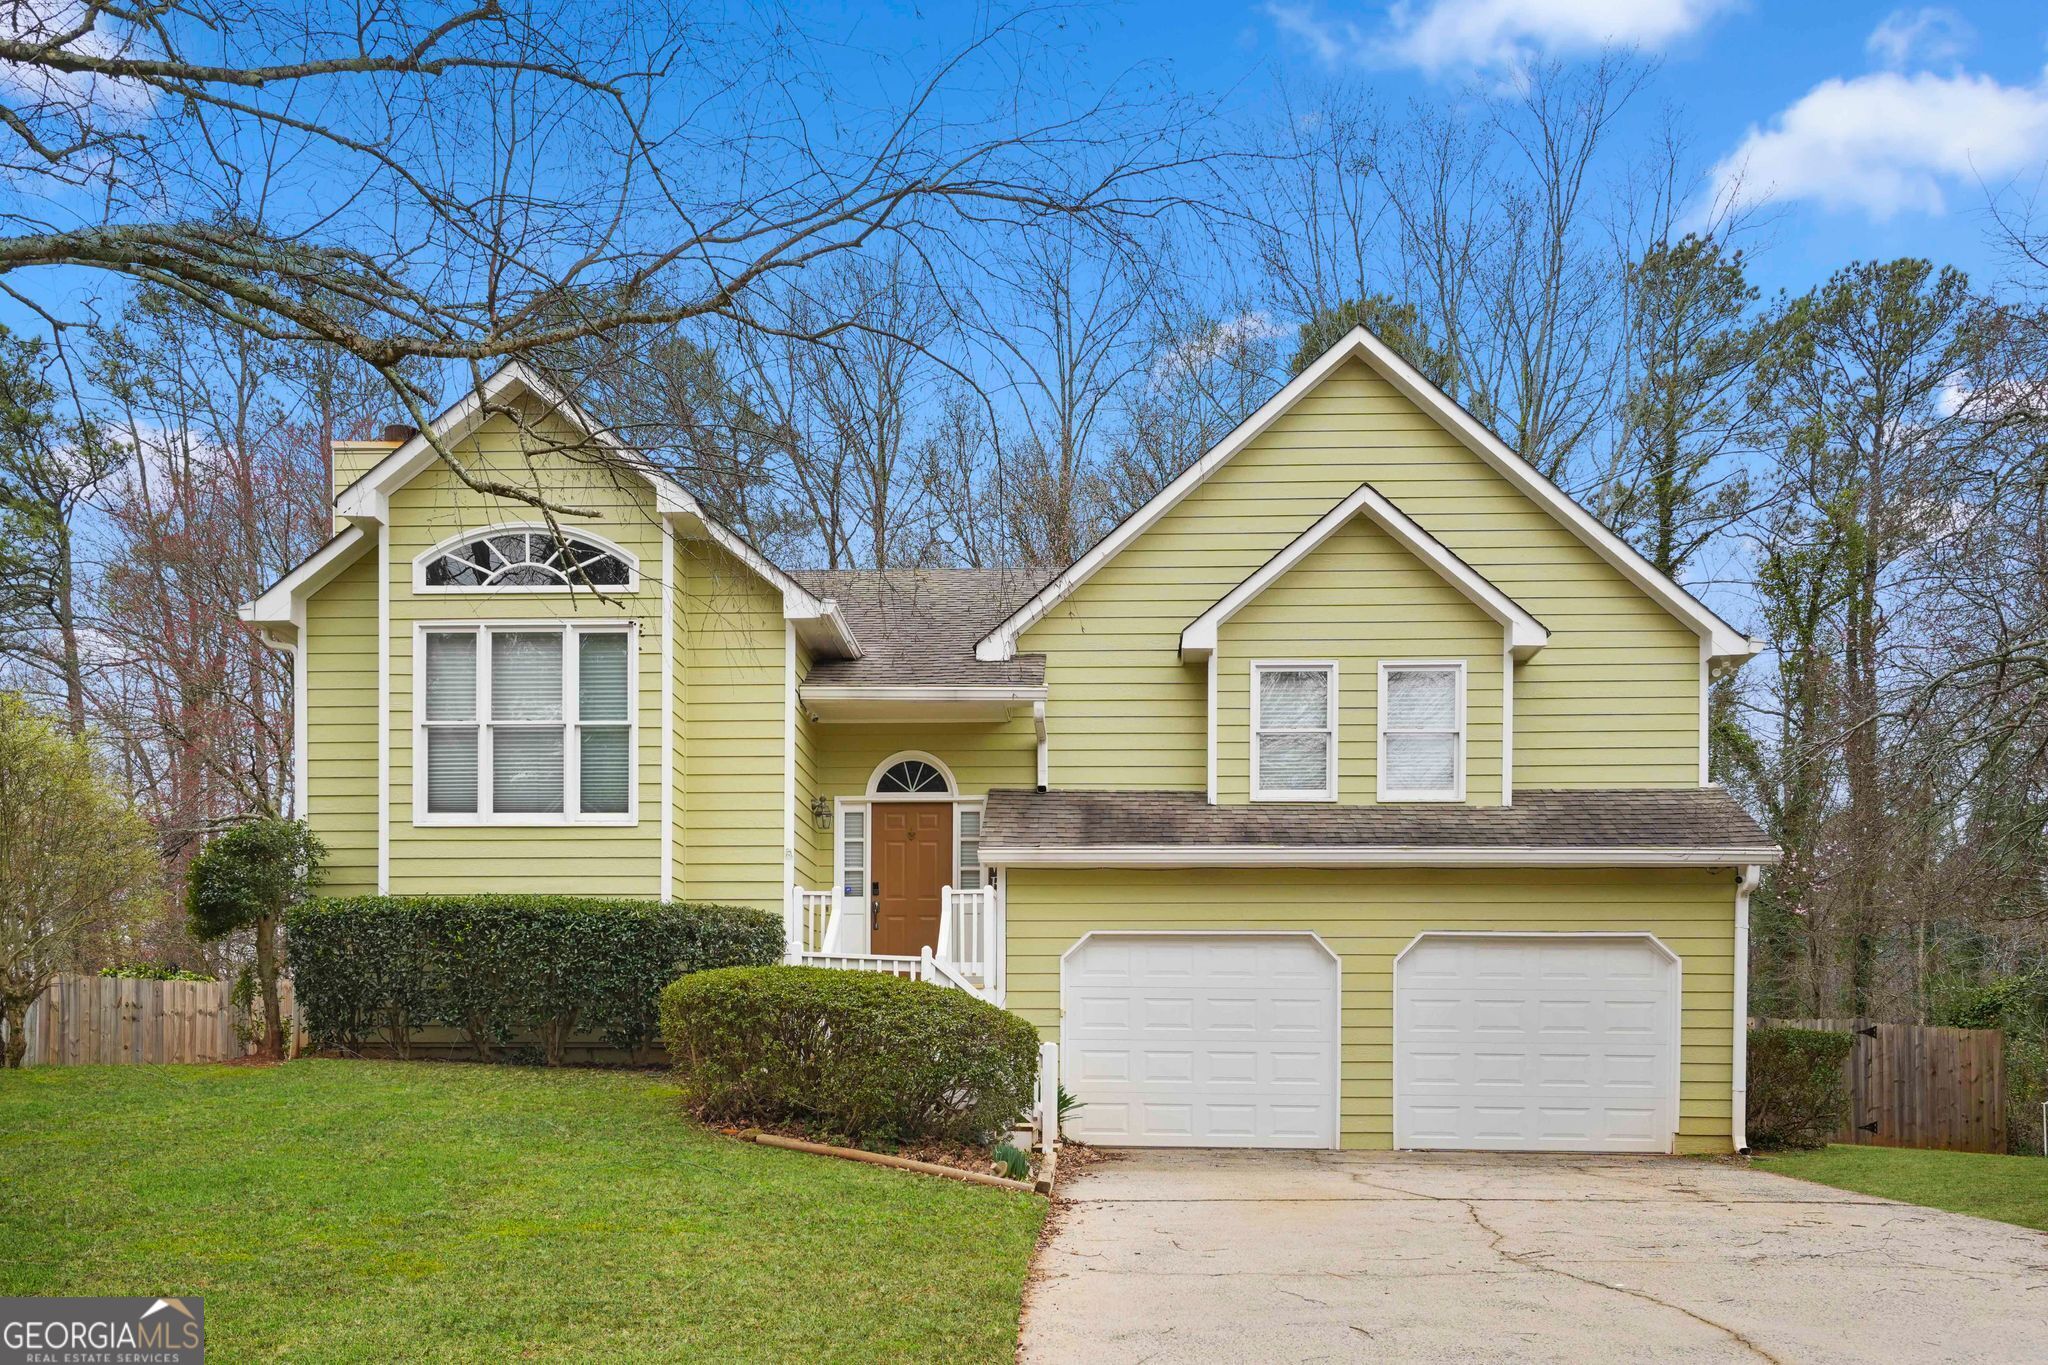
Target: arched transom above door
x=911 y=774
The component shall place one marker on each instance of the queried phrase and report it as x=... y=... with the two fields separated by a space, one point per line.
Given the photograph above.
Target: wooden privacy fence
x=1914 y=1085
x=83 y=1020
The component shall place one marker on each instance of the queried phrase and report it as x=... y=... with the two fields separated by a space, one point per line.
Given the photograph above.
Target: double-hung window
x=1294 y=732
x=1422 y=732
x=526 y=724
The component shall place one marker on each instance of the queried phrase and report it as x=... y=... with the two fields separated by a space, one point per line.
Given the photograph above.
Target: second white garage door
x=1201 y=1040
x=1544 y=1042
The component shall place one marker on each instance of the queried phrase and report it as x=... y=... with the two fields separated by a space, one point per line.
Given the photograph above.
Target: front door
x=913 y=857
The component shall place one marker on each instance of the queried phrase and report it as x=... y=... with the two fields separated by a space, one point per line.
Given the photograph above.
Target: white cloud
x=1440 y=34
x=1929 y=36
x=1890 y=142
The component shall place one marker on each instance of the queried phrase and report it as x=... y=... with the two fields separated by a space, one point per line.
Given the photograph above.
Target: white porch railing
x=809 y=921
x=968 y=954
x=969 y=937
x=887 y=963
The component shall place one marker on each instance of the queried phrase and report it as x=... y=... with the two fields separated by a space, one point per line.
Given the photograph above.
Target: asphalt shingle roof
x=1614 y=818
x=919 y=626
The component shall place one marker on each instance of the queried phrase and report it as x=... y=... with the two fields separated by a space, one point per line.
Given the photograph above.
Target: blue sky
x=1877 y=127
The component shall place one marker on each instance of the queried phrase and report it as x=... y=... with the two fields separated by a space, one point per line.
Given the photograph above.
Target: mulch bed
x=961 y=1156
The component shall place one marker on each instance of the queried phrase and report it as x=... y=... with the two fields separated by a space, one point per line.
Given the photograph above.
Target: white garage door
x=1545 y=1043
x=1201 y=1040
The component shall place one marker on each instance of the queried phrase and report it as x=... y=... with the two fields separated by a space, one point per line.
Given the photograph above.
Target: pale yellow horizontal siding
x=980 y=756
x=341 y=727
x=574 y=858
x=813 y=845
x=1613 y=700
x=1368 y=916
x=1354 y=600
x=735 y=707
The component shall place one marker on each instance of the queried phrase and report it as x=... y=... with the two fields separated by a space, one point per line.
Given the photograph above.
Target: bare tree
x=410 y=185
x=1065 y=331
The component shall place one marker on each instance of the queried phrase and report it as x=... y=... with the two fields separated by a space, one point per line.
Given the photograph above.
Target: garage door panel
x=1224 y=1040
x=1536 y=1042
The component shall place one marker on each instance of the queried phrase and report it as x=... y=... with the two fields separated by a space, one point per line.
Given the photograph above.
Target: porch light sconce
x=821 y=812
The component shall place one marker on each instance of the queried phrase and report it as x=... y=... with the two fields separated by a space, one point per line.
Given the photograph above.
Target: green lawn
x=2012 y=1189
x=332 y=1210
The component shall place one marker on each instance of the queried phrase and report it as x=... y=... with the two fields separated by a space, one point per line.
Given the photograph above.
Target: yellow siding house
x=1353 y=792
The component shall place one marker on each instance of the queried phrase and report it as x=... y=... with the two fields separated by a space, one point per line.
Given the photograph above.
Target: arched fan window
x=912 y=775
x=528 y=559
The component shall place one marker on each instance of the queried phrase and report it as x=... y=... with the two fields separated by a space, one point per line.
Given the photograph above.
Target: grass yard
x=2011 y=1189
x=331 y=1210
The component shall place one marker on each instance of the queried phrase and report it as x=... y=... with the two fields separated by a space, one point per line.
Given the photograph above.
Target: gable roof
x=284 y=602
x=1719 y=639
x=367 y=501
x=1525 y=634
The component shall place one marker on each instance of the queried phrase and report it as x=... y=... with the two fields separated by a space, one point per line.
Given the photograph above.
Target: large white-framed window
x=1422 y=730
x=1294 y=731
x=525 y=723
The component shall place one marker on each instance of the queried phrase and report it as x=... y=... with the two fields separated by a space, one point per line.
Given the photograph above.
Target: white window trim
x=461 y=538
x=1329 y=789
x=483 y=816
x=1389 y=795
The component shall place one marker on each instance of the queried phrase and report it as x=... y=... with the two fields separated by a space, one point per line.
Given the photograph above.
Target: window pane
x=1294 y=699
x=526 y=776
x=970 y=823
x=1294 y=763
x=526 y=678
x=603 y=770
x=601 y=677
x=853 y=874
x=451 y=677
x=1422 y=699
x=1421 y=763
x=451 y=770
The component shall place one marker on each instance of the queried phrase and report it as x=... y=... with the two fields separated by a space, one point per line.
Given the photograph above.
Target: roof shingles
x=918 y=627
x=1675 y=818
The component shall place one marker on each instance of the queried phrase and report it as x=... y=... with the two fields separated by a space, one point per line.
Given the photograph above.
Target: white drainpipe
x=1739 y=1111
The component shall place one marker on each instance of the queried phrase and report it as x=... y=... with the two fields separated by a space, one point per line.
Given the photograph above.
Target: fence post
x=1048 y=1095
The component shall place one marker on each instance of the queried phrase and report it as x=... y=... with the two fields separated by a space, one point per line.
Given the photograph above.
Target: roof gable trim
x=1720 y=640
x=368 y=499
x=1525 y=634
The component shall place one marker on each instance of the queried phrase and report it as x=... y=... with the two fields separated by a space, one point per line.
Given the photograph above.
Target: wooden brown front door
x=913 y=857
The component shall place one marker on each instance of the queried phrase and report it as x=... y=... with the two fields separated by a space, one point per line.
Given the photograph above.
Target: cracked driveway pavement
x=1212 y=1256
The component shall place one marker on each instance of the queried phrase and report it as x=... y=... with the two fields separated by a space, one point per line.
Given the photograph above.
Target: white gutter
x=1738 y=1112
x=1387 y=855
x=938 y=692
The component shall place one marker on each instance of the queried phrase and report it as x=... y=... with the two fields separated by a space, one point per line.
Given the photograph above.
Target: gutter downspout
x=1044 y=747
x=1739 y=1098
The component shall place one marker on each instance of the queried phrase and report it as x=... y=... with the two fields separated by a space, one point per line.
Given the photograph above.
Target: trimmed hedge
x=503 y=967
x=1798 y=1091
x=859 y=1056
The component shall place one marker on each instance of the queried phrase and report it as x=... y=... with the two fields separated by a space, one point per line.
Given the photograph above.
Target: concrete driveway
x=1213 y=1256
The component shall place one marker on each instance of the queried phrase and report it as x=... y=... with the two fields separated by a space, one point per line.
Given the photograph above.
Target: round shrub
x=855 y=1055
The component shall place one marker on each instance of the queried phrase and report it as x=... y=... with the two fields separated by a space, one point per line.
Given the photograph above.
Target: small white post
x=1048 y=1095
x=793 y=927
